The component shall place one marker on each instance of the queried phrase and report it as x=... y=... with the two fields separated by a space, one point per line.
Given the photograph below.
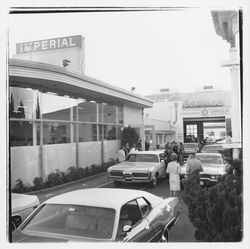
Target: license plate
x=201 y=183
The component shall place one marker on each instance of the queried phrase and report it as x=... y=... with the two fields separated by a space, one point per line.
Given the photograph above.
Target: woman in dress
x=174 y=170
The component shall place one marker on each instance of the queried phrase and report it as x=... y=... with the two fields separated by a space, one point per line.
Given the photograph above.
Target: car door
x=141 y=230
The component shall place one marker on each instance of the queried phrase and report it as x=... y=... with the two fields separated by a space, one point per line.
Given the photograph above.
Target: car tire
x=117 y=184
x=154 y=181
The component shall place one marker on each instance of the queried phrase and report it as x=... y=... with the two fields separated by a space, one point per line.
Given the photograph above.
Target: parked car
x=21 y=206
x=212 y=148
x=189 y=148
x=101 y=215
x=138 y=167
x=214 y=168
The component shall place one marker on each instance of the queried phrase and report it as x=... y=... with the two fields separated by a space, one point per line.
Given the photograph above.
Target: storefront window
x=87 y=110
x=58 y=133
x=109 y=132
x=120 y=114
x=192 y=130
x=58 y=107
x=24 y=133
x=87 y=132
x=24 y=103
x=109 y=114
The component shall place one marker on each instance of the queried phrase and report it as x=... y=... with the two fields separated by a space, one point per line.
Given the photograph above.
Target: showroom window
x=55 y=107
x=24 y=103
x=24 y=133
x=58 y=133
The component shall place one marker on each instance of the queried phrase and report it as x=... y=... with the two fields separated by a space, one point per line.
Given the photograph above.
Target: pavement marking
x=103 y=184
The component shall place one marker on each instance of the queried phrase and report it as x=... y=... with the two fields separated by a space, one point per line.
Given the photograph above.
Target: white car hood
x=131 y=166
x=22 y=201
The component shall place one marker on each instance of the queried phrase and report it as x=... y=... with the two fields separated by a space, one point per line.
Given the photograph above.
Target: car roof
x=152 y=152
x=209 y=154
x=213 y=145
x=98 y=197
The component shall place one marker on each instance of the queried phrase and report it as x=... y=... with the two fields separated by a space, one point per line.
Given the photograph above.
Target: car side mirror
x=126 y=228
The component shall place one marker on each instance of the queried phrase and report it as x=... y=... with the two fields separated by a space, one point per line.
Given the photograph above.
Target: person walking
x=181 y=151
x=121 y=154
x=194 y=166
x=174 y=170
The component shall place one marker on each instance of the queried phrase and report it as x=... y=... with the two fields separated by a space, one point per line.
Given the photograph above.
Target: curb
x=64 y=184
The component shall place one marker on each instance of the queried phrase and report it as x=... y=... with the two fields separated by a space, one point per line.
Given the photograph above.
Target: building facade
x=60 y=118
x=197 y=115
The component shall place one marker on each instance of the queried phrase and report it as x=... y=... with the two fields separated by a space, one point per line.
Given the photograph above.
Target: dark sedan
x=101 y=215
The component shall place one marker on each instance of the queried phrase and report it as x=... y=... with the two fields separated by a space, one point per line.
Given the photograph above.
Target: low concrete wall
x=111 y=148
x=25 y=159
x=58 y=156
x=24 y=163
x=90 y=153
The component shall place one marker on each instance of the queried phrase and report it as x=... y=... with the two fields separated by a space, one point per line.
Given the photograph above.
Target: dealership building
x=58 y=116
x=203 y=113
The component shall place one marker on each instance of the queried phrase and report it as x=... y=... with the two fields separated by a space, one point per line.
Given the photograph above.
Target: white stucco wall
x=110 y=149
x=90 y=153
x=24 y=163
x=58 y=156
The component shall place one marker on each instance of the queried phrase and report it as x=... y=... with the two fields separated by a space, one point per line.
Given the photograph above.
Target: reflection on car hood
x=20 y=237
x=22 y=201
x=211 y=169
x=133 y=165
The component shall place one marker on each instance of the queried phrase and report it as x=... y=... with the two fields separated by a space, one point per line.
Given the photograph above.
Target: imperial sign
x=49 y=44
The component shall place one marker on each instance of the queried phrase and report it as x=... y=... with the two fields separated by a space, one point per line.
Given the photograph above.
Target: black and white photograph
x=124 y=123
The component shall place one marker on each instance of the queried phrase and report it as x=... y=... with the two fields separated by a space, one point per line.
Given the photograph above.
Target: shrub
x=217 y=212
x=38 y=183
x=55 y=178
x=129 y=135
x=20 y=187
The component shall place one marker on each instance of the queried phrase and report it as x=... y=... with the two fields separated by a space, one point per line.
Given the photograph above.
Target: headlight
x=213 y=177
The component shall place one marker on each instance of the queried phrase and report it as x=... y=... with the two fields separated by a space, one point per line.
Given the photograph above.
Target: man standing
x=194 y=166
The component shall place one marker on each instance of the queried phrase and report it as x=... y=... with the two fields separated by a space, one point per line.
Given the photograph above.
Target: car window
x=162 y=156
x=82 y=221
x=190 y=146
x=131 y=211
x=212 y=148
x=210 y=159
x=143 y=205
x=142 y=158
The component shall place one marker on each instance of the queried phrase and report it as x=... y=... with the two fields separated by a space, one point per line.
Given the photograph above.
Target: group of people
x=173 y=159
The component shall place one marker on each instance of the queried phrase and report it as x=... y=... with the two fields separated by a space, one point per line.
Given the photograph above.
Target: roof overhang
x=52 y=78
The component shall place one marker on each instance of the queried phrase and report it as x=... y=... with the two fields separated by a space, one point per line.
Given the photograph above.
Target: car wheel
x=117 y=184
x=154 y=181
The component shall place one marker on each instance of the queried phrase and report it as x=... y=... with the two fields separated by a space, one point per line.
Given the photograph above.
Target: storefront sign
x=201 y=103
x=49 y=44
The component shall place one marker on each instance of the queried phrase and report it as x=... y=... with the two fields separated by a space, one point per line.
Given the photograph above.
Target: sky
x=145 y=50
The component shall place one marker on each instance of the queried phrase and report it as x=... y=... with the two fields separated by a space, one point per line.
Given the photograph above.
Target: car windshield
x=190 y=146
x=210 y=159
x=212 y=148
x=147 y=158
x=82 y=221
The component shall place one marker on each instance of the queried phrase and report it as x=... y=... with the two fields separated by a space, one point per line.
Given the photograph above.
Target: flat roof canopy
x=56 y=79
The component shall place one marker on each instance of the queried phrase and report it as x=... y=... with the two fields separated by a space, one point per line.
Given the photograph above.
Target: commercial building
x=59 y=117
x=199 y=114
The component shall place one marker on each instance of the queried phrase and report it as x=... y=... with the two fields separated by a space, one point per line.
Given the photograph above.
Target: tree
x=217 y=212
x=129 y=135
